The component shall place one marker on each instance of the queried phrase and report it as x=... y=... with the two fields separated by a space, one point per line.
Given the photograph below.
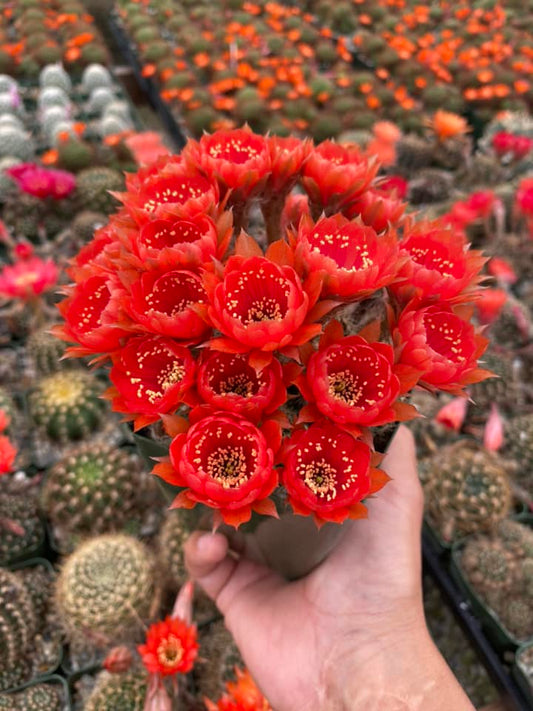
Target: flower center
x=175 y=191
x=345 y=387
x=235 y=151
x=319 y=476
x=237 y=385
x=170 y=651
x=265 y=309
x=431 y=259
x=227 y=466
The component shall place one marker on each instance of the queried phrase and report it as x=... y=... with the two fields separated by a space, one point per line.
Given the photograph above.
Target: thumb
x=228 y=579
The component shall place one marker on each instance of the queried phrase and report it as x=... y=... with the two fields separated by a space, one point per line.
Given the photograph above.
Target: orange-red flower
x=242 y=695
x=356 y=262
x=164 y=302
x=226 y=463
x=335 y=175
x=440 y=265
x=441 y=346
x=152 y=376
x=327 y=473
x=378 y=208
x=446 y=125
x=7 y=455
x=171 y=647
x=227 y=381
x=238 y=159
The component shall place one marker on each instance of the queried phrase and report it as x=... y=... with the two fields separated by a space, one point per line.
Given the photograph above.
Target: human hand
x=351 y=634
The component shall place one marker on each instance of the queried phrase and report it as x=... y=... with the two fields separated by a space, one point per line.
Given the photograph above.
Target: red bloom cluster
x=8 y=452
x=42 y=182
x=214 y=333
x=508 y=145
x=28 y=278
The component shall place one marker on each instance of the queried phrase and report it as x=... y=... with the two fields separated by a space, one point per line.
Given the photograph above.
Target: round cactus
x=95 y=489
x=41 y=697
x=430 y=186
x=114 y=692
x=67 y=406
x=174 y=532
x=11 y=120
x=99 y=99
x=7 y=405
x=7 y=83
x=15 y=143
x=118 y=108
x=53 y=96
x=26 y=529
x=467 y=489
x=55 y=75
x=51 y=116
x=9 y=103
x=85 y=223
x=413 y=154
x=17 y=627
x=74 y=154
x=518 y=449
x=95 y=76
x=106 y=587
x=93 y=186
x=46 y=351
x=221 y=656
x=109 y=125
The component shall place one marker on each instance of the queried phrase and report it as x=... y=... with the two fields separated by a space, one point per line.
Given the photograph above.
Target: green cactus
x=46 y=351
x=413 y=154
x=325 y=126
x=93 y=186
x=67 y=406
x=38 y=580
x=41 y=697
x=22 y=530
x=17 y=627
x=513 y=328
x=118 y=692
x=95 y=489
x=429 y=434
x=93 y=53
x=505 y=390
x=174 y=532
x=15 y=143
x=200 y=120
x=95 y=76
x=518 y=449
x=500 y=567
x=55 y=75
x=85 y=224
x=74 y=154
x=466 y=488
x=106 y=588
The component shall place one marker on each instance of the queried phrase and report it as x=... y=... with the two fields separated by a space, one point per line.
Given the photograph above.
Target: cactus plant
x=74 y=154
x=53 y=96
x=55 y=75
x=46 y=351
x=466 y=488
x=413 y=154
x=106 y=588
x=118 y=692
x=220 y=656
x=518 y=449
x=15 y=143
x=17 y=627
x=21 y=529
x=94 y=489
x=99 y=99
x=95 y=76
x=499 y=568
x=429 y=186
x=67 y=406
x=51 y=116
x=93 y=186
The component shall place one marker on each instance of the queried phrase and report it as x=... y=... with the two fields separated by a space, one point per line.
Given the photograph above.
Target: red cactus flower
x=355 y=260
x=524 y=197
x=42 y=182
x=479 y=205
x=440 y=265
x=296 y=205
x=442 y=346
x=238 y=159
x=335 y=176
x=7 y=455
x=226 y=463
x=393 y=185
x=327 y=473
x=377 y=209
x=28 y=278
x=227 y=381
x=490 y=304
x=502 y=271
x=166 y=188
x=287 y=157
x=91 y=317
x=24 y=250
x=4 y=420
x=503 y=143
x=242 y=695
x=163 y=302
x=118 y=660
x=152 y=376
x=493 y=434
x=452 y=415
x=351 y=381
x=171 y=647
x=259 y=305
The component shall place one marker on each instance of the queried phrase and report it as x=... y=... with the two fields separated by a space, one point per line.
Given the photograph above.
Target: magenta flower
x=42 y=182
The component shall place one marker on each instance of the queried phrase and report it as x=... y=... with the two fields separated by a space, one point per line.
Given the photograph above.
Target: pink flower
x=28 y=278
x=42 y=182
x=493 y=434
x=453 y=414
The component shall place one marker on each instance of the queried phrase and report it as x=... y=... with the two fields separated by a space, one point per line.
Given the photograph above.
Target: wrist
x=398 y=670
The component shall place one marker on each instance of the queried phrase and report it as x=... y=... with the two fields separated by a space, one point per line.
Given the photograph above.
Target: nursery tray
x=146 y=85
x=511 y=691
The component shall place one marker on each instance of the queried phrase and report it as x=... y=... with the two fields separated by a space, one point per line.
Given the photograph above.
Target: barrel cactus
x=55 y=75
x=17 y=628
x=53 y=96
x=106 y=588
x=67 y=406
x=518 y=449
x=118 y=692
x=94 y=489
x=95 y=76
x=26 y=530
x=93 y=186
x=467 y=489
x=46 y=351
x=16 y=143
x=220 y=656
x=41 y=697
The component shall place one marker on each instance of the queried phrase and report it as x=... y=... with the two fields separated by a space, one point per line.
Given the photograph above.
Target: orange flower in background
x=242 y=695
x=446 y=125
